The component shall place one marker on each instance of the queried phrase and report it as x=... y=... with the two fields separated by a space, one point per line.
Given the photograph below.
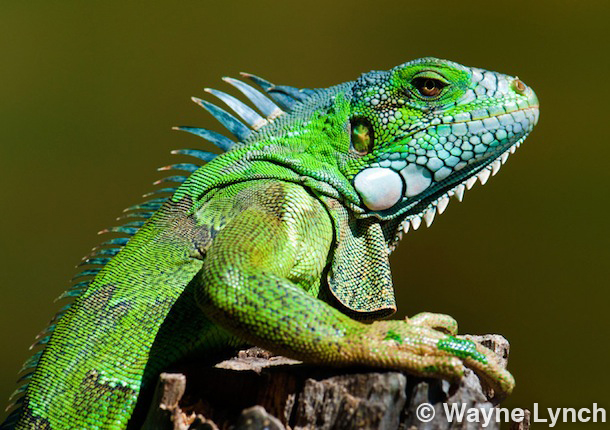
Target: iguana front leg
x=254 y=281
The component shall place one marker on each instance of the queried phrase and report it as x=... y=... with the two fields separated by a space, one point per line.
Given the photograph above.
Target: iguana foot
x=426 y=345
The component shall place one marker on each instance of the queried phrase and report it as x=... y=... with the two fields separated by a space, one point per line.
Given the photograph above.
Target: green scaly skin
x=283 y=242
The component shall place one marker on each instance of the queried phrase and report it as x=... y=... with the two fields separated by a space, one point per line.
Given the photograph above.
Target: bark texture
x=256 y=390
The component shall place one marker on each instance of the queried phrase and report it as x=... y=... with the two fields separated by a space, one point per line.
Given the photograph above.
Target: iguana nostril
x=519 y=86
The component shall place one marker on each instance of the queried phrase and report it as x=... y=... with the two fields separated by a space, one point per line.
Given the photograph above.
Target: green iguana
x=282 y=241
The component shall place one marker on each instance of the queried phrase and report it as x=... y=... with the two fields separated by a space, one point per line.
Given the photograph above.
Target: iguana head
x=394 y=145
x=427 y=130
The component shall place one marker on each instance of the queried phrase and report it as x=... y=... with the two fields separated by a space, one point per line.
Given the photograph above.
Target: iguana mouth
x=437 y=200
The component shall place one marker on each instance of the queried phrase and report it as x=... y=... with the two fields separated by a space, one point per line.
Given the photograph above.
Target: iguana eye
x=428 y=87
x=362 y=136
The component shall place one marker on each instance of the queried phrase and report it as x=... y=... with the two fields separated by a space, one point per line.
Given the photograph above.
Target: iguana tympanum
x=283 y=240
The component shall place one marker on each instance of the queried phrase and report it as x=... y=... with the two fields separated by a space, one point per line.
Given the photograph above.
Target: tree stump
x=257 y=390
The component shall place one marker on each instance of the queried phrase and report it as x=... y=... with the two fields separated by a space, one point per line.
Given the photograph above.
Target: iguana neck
x=303 y=151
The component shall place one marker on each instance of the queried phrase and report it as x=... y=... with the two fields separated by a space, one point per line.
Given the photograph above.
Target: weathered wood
x=258 y=390
x=169 y=392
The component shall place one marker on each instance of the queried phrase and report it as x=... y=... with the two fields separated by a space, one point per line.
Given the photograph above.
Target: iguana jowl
x=283 y=240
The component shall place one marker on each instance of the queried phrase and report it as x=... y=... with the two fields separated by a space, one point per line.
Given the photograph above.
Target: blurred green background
x=89 y=91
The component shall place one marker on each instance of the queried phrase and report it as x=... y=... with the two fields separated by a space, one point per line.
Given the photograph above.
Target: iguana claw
x=440 y=322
